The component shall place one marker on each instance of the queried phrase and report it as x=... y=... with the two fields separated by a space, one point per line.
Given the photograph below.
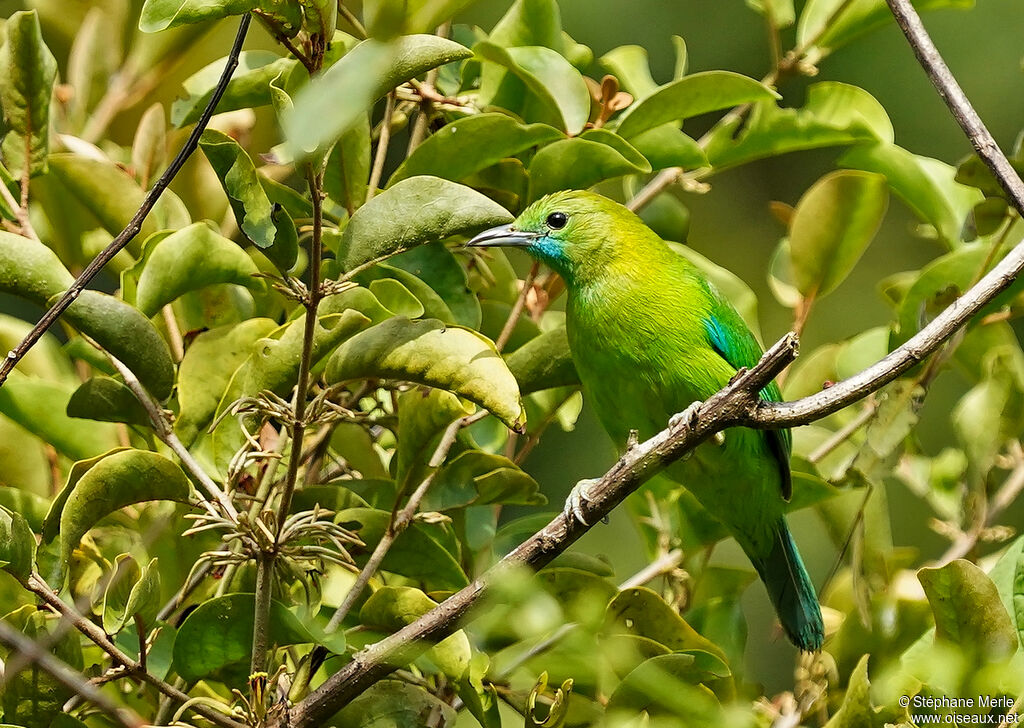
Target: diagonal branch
x=135 y=224
x=737 y=404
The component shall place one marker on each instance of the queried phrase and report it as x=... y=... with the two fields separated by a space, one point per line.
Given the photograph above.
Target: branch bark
x=737 y=404
x=135 y=224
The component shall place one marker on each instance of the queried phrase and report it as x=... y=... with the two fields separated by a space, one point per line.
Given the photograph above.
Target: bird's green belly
x=737 y=481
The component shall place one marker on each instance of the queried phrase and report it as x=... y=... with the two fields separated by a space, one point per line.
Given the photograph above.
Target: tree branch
x=67 y=676
x=737 y=404
x=135 y=224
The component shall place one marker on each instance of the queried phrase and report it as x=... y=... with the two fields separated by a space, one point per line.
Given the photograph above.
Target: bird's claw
x=687 y=416
x=578 y=498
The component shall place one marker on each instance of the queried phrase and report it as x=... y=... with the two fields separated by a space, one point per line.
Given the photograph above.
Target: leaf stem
x=383 y=140
x=517 y=309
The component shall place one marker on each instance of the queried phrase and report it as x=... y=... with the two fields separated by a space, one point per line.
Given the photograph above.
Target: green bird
x=650 y=336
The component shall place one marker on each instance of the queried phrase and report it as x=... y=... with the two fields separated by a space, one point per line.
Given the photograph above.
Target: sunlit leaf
x=629 y=65
x=833 y=224
x=131 y=592
x=550 y=77
x=427 y=352
x=17 y=545
x=415 y=211
x=468 y=145
x=691 y=96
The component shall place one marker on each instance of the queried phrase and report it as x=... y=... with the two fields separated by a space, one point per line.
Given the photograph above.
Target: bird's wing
x=732 y=340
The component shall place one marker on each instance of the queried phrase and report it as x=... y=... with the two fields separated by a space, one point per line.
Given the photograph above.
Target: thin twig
x=352 y=20
x=165 y=432
x=517 y=309
x=402 y=518
x=20 y=212
x=40 y=588
x=67 y=676
x=135 y=224
x=383 y=140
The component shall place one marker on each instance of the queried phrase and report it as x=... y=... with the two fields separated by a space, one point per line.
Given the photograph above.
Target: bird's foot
x=688 y=416
x=578 y=499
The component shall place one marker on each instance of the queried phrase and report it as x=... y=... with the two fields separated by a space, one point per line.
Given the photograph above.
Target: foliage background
x=732 y=223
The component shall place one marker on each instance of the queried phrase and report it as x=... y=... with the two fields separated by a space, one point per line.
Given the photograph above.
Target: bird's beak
x=503 y=235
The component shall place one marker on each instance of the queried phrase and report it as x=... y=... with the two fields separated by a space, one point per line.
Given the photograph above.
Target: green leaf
x=471 y=144
x=425 y=300
x=394 y=704
x=51 y=520
x=641 y=611
x=558 y=86
x=160 y=15
x=27 y=74
x=967 y=609
x=31 y=270
x=107 y=400
x=17 y=545
x=128 y=335
x=427 y=352
x=120 y=479
x=544 y=362
x=578 y=164
x=105 y=189
x=348 y=166
x=667 y=146
x=664 y=685
x=475 y=477
x=190 y=259
x=250 y=204
x=416 y=553
x=829 y=24
x=780 y=12
x=131 y=592
x=978 y=422
x=415 y=211
x=19 y=500
x=630 y=66
x=249 y=86
x=423 y=413
x=149 y=148
x=1008 y=576
x=435 y=264
x=39 y=406
x=833 y=224
x=691 y=96
x=321 y=17
x=856 y=710
x=926 y=185
x=215 y=640
x=835 y=114
x=363 y=75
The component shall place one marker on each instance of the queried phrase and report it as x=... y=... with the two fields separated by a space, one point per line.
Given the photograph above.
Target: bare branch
x=67 y=676
x=135 y=224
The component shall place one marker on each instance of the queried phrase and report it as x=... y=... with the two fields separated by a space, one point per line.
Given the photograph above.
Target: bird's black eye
x=557 y=220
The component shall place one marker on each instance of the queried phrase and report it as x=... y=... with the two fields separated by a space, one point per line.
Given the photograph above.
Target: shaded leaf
x=832 y=226
x=39 y=406
x=415 y=211
x=17 y=545
x=967 y=609
x=544 y=362
x=107 y=400
x=149 y=148
x=691 y=96
x=664 y=685
x=394 y=704
x=641 y=611
x=119 y=479
x=423 y=414
x=926 y=185
x=435 y=264
x=27 y=73
x=427 y=352
x=215 y=640
x=348 y=166
x=416 y=553
x=131 y=592
x=475 y=477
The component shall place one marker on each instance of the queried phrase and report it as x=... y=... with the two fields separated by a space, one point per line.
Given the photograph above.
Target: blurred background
x=731 y=223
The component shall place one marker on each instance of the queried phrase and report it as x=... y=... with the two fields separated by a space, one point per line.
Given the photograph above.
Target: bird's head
x=577 y=233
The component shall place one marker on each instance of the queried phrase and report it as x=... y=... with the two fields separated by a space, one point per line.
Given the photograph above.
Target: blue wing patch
x=742 y=350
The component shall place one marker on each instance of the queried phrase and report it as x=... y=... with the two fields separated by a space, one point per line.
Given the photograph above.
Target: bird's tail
x=791 y=591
